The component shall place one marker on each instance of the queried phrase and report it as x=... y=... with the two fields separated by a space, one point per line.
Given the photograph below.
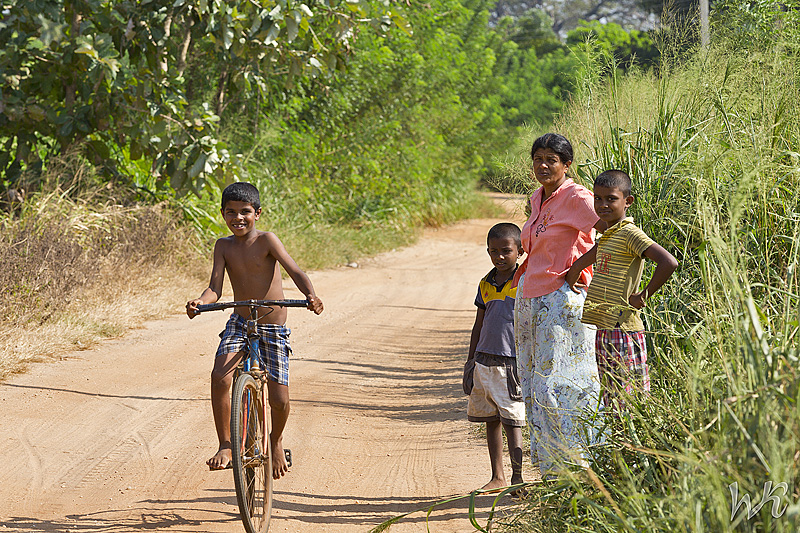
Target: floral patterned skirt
x=558 y=375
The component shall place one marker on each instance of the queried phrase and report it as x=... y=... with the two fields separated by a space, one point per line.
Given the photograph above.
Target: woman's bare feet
x=221 y=459
x=279 y=466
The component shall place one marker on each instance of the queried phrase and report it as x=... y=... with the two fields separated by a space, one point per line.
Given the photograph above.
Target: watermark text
x=768 y=495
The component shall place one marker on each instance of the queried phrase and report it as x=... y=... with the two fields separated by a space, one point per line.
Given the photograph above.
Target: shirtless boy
x=251 y=258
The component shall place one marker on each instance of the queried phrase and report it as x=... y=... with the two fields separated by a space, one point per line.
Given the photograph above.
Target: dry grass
x=107 y=309
x=79 y=267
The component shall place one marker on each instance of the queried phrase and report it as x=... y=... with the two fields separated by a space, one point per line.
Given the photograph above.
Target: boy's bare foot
x=494 y=484
x=221 y=459
x=279 y=466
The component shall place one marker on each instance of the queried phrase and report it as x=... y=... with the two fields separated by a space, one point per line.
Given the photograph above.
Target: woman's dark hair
x=241 y=192
x=557 y=143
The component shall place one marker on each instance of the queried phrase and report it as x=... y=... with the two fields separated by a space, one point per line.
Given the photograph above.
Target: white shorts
x=491 y=397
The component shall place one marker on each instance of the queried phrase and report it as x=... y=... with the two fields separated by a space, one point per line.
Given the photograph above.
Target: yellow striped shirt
x=617 y=273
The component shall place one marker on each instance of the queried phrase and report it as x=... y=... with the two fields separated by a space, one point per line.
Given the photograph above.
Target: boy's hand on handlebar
x=314 y=304
x=191 y=307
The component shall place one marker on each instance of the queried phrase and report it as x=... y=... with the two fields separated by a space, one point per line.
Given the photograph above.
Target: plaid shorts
x=621 y=362
x=273 y=343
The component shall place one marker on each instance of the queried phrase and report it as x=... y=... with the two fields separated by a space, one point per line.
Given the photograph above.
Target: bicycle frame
x=249 y=424
x=252 y=358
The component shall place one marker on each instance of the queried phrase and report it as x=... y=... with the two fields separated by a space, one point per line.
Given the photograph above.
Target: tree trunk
x=185 y=44
x=162 y=53
x=221 y=86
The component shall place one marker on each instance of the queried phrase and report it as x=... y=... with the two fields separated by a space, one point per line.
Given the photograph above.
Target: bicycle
x=250 y=426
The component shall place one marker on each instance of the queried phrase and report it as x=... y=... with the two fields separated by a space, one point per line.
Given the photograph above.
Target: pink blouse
x=559 y=230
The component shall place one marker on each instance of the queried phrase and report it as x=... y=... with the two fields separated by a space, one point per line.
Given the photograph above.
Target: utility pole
x=704 y=33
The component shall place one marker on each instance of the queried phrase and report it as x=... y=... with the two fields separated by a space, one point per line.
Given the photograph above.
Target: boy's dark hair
x=505 y=230
x=614 y=179
x=557 y=143
x=241 y=192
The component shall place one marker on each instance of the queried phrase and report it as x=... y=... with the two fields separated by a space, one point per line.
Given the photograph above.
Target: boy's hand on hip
x=572 y=280
x=314 y=304
x=637 y=300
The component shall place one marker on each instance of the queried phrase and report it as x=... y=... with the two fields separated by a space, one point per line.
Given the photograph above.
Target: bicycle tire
x=251 y=454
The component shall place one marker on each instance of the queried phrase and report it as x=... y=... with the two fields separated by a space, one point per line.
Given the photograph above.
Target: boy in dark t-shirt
x=490 y=373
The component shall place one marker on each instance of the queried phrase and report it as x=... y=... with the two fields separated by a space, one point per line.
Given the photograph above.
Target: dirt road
x=114 y=439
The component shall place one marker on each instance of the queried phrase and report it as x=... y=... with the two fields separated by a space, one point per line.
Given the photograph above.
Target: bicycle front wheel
x=252 y=454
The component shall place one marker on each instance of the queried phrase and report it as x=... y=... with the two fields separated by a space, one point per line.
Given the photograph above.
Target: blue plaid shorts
x=273 y=343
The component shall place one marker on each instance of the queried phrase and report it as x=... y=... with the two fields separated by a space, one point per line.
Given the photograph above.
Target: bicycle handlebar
x=251 y=303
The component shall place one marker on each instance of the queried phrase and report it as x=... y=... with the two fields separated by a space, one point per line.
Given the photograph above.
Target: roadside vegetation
x=711 y=143
x=80 y=261
x=121 y=122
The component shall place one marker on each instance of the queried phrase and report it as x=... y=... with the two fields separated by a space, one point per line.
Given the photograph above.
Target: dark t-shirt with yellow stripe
x=617 y=273
x=497 y=332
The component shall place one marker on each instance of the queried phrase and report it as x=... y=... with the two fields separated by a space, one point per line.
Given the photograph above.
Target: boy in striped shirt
x=613 y=299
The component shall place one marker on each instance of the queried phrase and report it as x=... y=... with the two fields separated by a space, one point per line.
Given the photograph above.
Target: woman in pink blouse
x=555 y=351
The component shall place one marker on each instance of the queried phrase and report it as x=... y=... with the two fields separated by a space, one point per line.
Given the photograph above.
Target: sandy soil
x=115 y=438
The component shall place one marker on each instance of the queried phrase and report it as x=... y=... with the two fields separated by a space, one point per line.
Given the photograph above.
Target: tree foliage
x=415 y=118
x=628 y=48
x=333 y=114
x=401 y=123
x=110 y=75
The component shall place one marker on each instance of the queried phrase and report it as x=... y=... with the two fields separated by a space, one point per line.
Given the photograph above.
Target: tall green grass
x=323 y=225
x=712 y=146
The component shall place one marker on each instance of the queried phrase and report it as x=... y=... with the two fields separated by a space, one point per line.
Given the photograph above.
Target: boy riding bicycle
x=251 y=258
